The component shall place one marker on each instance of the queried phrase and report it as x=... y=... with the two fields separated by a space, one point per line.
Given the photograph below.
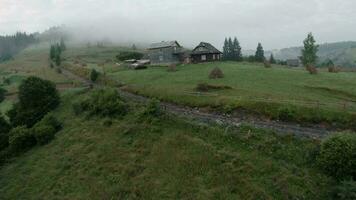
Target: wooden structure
x=165 y=53
x=205 y=52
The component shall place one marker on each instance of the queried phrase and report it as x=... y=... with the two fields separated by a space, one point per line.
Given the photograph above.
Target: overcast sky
x=275 y=23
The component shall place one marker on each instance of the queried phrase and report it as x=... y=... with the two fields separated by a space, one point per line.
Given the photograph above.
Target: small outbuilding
x=205 y=52
x=165 y=52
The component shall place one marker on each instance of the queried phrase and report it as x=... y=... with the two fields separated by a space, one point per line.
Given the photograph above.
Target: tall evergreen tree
x=52 y=53
x=272 y=60
x=237 y=55
x=226 y=49
x=309 y=51
x=260 y=54
x=62 y=45
x=231 y=49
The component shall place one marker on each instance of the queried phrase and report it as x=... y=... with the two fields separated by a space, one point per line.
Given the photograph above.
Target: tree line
x=10 y=45
x=232 y=51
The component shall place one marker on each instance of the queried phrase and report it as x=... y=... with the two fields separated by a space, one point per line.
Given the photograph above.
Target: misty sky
x=275 y=23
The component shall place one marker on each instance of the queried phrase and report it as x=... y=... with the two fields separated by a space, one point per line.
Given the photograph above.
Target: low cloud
x=275 y=23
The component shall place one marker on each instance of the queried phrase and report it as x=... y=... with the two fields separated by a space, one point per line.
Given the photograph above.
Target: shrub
x=37 y=97
x=43 y=133
x=129 y=55
x=104 y=102
x=286 y=113
x=94 y=75
x=153 y=108
x=312 y=70
x=50 y=120
x=346 y=190
x=204 y=87
x=4 y=130
x=58 y=70
x=337 y=155
x=267 y=64
x=216 y=73
x=2 y=94
x=21 y=139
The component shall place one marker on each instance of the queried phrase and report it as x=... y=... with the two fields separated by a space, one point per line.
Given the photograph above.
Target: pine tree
x=52 y=53
x=231 y=49
x=58 y=60
x=237 y=55
x=226 y=50
x=309 y=51
x=134 y=47
x=62 y=45
x=260 y=54
x=272 y=60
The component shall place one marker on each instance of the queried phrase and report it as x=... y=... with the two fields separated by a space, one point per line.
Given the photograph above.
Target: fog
x=274 y=23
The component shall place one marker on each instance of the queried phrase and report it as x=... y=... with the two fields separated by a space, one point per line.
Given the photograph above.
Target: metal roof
x=164 y=44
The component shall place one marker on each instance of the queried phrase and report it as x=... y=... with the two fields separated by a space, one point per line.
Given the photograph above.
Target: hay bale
x=333 y=69
x=172 y=68
x=216 y=73
x=267 y=64
x=311 y=69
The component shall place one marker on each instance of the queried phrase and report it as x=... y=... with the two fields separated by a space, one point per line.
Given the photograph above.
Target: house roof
x=164 y=44
x=205 y=48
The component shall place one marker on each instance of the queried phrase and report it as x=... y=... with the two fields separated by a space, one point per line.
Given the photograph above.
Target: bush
x=58 y=70
x=153 y=108
x=94 y=75
x=50 y=120
x=216 y=73
x=2 y=94
x=37 y=97
x=21 y=139
x=129 y=55
x=312 y=70
x=104 y=103
x=337 y=156
x=346 y=190
x=286 y=113
x=4 y=130
x=204 y=87
x=43 y=134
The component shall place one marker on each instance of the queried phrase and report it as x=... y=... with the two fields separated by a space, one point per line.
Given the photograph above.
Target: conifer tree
x=237 y=55
x=52 y=53
x=226 y=49
x=309 y=51
x=272 y=60
x=62 y=45
x=260 y=54
x=231 y=49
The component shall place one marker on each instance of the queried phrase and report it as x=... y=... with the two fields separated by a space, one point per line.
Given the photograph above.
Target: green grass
x=167 y=159
x=253 y=87
x=5 y=106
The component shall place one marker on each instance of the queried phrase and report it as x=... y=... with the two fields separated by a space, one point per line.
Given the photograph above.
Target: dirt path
x=316 y=131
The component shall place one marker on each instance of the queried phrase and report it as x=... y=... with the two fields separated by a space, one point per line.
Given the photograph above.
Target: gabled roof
x=205 y=48
x=164 y=44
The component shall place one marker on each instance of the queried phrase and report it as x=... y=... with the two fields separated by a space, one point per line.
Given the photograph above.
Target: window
x=203 y=57
x=160 y=58
x=213 y=56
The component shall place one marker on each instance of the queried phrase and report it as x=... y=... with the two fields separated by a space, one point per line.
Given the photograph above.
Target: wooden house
x=205 y=52
x=165 y=53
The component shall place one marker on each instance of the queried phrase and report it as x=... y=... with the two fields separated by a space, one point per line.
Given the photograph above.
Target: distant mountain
x=341 y=53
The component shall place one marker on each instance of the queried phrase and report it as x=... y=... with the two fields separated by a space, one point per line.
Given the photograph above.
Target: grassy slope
x=169 y=159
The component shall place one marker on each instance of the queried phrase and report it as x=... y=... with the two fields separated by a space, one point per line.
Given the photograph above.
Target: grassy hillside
x=323 y=97
x=163 y=158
